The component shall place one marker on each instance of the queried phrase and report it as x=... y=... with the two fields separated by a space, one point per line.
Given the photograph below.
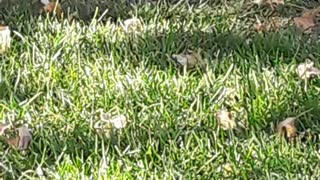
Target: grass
x=57 y=77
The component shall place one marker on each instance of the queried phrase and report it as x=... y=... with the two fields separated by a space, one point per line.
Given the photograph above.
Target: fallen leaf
x=190 y=59
x=260 y=27
x=117 y=122
x=14 y=142
x=307 y=70
x=5 y=38
x=287 y=128
x=51 y=7
x=3 y=128
x=22 y=141
x=307 y=21
x=132 y=25
x=225 y=119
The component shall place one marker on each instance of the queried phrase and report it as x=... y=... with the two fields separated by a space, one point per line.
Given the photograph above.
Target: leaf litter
x=190 y=60
x=225 y=119
x=307 y=70
x=306 y=22
x=132 y=25
x=5 y=38
x=20 y=142
x=287 y=127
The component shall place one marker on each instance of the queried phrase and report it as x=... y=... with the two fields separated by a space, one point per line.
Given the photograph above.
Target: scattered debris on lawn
x=307 y=70
x=225 y=119
x=190 y=60
x=5 y=38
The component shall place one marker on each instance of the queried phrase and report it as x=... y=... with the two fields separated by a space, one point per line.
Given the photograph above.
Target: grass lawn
x=58 y=78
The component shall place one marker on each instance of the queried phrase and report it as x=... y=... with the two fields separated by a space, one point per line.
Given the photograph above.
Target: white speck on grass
x=45 y=2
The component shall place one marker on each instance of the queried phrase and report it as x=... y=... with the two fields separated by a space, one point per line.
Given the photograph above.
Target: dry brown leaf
x=259 y=27
x=3 y=128
x=287 y=128
x=307 y=21
x=190 y=59
x=307 y=70
x=14 y=142
x=225 y=119
x=5 y=38
x=51 y=7
x=22 y=141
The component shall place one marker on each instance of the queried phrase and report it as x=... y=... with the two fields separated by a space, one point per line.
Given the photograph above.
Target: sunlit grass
x=58 y=76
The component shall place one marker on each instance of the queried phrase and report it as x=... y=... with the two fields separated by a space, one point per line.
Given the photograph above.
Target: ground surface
x=58 y=77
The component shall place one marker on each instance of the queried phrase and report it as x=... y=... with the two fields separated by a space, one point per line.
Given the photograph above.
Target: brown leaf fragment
x=260 y=27
x=307 y=70
x=3 y=128
x=22 y=141
x=307 y=21
x=190 y=59
x=51 y=8
x=287 y=128
x=225 y=119
x=14 y=142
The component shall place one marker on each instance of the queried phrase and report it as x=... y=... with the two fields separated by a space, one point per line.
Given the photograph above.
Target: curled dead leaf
x=287 y=128
x=3 y=128
x=225 y=119
x=190 y=59
x=23 y=140
x=307 y=21
x=307 y=70
x=5 y=38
